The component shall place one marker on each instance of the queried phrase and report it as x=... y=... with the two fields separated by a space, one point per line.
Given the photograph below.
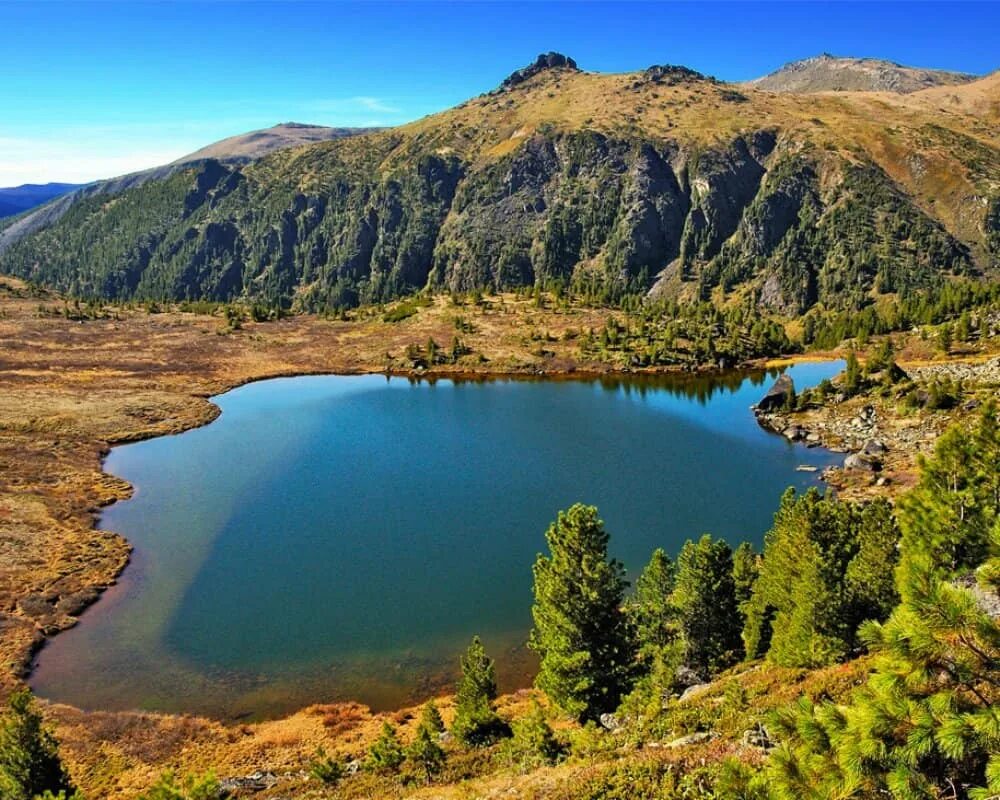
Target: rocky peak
x=545 y=61
x=827 y=72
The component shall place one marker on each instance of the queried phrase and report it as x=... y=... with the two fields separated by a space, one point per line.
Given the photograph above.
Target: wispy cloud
x=351 y=105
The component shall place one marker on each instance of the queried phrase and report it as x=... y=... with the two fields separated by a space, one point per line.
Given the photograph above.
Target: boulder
x=694 y=691
x=874 y=447
x=794 y=433
x=610 y=722
x=861 y=462
x=777 y=394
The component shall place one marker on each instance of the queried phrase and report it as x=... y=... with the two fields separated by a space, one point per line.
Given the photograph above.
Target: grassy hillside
x=618 y=183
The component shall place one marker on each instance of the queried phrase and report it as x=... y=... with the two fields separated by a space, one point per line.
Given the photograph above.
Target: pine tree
x=580 y=633
x=430 y=718
x=948 y=516
x=190 y=787
x=705 y=598
x=534 y=742
x=852 y=375
x=926 y=724
x=945 y=338
x=654 y=617
x=425 y=751
x=326 y=769
x=746 y=568
x=29 y=753
x=386 y=755
x=827 y=567
x=476 y=723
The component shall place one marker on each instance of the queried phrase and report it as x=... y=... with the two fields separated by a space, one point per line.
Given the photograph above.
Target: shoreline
x=213 y=412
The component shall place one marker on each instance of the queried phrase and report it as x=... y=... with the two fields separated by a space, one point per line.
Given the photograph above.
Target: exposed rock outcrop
x=825 y=73
x=545 y=61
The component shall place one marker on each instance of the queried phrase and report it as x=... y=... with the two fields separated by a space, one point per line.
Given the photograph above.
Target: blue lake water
x=332 y=538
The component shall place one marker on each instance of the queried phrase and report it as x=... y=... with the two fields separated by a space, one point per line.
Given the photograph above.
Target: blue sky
x=91 y=90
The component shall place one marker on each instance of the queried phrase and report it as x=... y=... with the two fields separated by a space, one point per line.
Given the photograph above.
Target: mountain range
x=786 y=192
x=16 y=199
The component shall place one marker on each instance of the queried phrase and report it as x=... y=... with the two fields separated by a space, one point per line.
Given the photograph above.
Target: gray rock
x=692 y=738
x=255 y=782
x=758 y=737
x=859 y=461
x=610 y=722
x=543 y=62
x=688 y=677
x=794 y=433
x=694 y=691
x=988 y=601
x=874 y=447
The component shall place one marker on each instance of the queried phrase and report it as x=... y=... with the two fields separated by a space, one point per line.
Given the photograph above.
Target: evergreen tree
x=949 y=515
x=852 y=375
x=326 y=769
x=746 y=568
x=29 y=753
x=926 y=723
x=705 y=598
x=476 y=723
x=430 y=718
x=534 y=743
x=190 y=787
x=651 y=609
x=580 y=633
x=944 y=338
x=827 y=567
x=963 y=328
x=425 y=751
x=386 y=754
x=869 y=588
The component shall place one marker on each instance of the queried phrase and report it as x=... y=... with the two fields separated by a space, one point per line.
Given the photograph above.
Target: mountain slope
x=241 y=149
x=256 y=144
x=17 y=199
x=827 y=73
x=661 y=178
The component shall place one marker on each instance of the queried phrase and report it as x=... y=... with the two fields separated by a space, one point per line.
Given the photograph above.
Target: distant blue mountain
x=20 y=198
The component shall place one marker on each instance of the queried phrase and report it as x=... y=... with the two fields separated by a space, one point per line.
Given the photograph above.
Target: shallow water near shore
x=341 y=538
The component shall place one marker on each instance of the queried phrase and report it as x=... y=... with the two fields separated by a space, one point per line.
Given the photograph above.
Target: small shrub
x=386 y=755
x=191 y=787
x=326 y=769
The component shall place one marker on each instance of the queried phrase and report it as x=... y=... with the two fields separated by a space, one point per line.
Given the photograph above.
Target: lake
x=343 y=537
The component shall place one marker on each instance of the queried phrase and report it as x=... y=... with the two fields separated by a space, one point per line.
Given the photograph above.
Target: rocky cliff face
x=760 y=209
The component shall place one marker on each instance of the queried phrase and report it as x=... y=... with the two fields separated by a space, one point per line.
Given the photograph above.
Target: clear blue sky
x=92 y=90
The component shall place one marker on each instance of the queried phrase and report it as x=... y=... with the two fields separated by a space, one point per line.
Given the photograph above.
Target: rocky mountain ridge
x=663 y=180
x=829 y=73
